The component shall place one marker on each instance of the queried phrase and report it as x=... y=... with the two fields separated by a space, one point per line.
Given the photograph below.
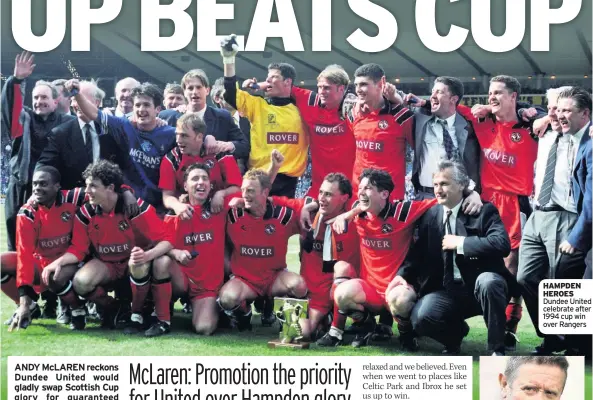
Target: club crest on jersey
x=123 y=225
x=146 y=146
x=270 y=229
x=516 y=137
x=387 y=228
x=271 y=118
x=209 y=163
x=206 y=214
x=66 y=216
x=383 y=124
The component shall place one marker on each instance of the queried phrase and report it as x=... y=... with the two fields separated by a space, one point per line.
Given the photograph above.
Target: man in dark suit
x=561 y=224
x=456 y=268
x=219 y=123
x=76 y=144
x=217 y=95
x=441 y=133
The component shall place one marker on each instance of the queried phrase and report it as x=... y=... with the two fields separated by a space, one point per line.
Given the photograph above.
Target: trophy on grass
x=289 y=312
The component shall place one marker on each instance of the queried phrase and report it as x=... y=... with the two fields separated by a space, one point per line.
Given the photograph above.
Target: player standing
x=331 y=140
x=508 y=157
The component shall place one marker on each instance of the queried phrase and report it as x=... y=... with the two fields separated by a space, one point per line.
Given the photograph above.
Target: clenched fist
x=229 y=48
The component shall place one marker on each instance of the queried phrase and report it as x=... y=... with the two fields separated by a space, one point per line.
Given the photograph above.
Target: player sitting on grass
x=119 y=244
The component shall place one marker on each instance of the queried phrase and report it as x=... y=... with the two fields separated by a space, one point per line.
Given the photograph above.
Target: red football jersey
x=386 y=238
x=331 y=139
x=224 y=171
x=260 y=244
x=204 y=234
x=508 y=153
x=44 y=233
x=110 y=237
x=381 y=138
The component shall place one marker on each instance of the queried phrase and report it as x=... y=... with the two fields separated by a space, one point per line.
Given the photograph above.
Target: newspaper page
x=296 y=200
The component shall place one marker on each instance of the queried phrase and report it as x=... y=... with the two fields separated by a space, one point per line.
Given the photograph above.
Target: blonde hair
x=193 y=121
x=259 y=175
x=195 y=74
x=335 y=74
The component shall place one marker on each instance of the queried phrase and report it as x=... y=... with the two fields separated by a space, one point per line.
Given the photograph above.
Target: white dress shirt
x=566 y=156
x=94 y=138
x=433 y=149
x=201 y=113
x=453 y=223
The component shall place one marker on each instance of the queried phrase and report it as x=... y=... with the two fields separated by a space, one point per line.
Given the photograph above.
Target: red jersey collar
x=119 y=206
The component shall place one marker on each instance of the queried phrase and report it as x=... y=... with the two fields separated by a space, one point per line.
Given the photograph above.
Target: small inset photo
x=532 y=377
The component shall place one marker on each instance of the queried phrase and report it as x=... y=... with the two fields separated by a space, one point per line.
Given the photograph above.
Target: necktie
x=448 y=141
x=545 y=194
x=88 y=145
x=448 y=275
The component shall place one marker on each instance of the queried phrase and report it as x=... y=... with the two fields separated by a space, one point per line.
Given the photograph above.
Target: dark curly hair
x=107 y=172
x=149 y=90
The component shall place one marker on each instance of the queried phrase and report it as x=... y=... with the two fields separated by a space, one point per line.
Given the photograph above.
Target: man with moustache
x=557 y=236
x=219 y=123
x=75 y=144
x=275 y=120
x=29 y=130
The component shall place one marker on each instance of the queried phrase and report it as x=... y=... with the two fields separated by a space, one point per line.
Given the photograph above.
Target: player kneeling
x=328 y=258
x=198 y=270
x=118 y=245
x=259 y=234
x=43 y=234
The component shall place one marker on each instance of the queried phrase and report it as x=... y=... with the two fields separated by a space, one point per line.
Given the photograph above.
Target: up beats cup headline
x=201 y=21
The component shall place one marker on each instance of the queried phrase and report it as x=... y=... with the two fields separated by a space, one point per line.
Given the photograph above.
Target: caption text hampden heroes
x=207 y=12
x=395 y=379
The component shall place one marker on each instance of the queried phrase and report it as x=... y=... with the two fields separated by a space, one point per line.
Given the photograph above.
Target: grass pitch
x=46 y=338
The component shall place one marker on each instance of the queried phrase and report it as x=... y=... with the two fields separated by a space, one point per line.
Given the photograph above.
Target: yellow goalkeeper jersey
x=274 y=127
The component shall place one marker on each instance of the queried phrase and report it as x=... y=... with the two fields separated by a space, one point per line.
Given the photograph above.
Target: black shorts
x=284 y=185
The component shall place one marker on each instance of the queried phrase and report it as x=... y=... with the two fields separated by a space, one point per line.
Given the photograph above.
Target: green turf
x=45 y=338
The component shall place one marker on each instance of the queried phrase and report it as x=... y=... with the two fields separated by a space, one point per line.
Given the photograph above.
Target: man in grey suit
x=557 y=235
x=441 y=133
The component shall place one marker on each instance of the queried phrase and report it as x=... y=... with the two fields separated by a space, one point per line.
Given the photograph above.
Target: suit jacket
x=580 y=235
x=220 y=124
x=485 y=246
x=467 y=141
x=66 y=152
